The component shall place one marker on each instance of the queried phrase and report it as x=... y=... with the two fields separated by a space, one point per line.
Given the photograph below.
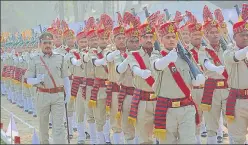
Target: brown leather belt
x=146 y=96
x=51 y=90
x=129 y=90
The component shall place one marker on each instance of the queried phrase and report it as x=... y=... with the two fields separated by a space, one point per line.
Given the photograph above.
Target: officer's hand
x=41 y=77
x=68 y=56
x=200 y=80
x=173 y=55
x=220 y=69
x=117 y=52
x=146 y=73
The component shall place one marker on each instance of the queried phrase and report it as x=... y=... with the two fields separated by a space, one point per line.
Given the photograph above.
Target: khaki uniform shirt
x=113 y=75
x=79 y=70
x=89 y=67
x=126 y=77
x=57 y=66
x=203 y=55
x=237 y=71
x=165 y=85
x=99 y=70
x=139 y=82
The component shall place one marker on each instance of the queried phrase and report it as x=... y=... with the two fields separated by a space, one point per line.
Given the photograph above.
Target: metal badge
x=173 y=69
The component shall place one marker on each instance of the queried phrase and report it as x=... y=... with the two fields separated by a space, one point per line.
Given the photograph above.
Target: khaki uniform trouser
x=213 y=116
x=145 y=119
x=128 y=129
x=97 y=114
x=114 y=123
x=26 y=92
x=54 y=104
x=71 y=106
x=238 y=129
x=80 y=106
x=197 y=98
x=180 y=126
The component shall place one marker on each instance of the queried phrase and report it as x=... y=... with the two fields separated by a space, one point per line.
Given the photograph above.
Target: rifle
x=237 y=9
x=40 y=29
x=186 y=55
x=156 y=43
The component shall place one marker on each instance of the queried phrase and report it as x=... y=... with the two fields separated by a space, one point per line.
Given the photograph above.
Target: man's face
x=103 y=42
x=57 y=40
x=241 y=39
x=93 y=42
x=147 y=41
x=70 y=41
x=46 y=46
x=82 y=43
x=133 y=43
x=196 y=38
x=185 y=36
x=213 y=35
x=169 y=41
x=119 y=41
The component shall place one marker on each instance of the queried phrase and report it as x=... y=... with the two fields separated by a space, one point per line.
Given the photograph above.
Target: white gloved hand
x=246 y=55
x=15 y=59
x=41 y=77
x=20 y=59
x=79 y=62
x=200 y=80
x=99 y=62
x=76 y=62
x=220 y=69
x=68 y=56
x=173 y=55
x=162 y=63
x=111 y=56
x=146 y=73
x=241 y=54
x=121 y=68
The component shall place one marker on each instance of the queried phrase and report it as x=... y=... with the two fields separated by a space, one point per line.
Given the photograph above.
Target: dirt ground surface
x=25 y=132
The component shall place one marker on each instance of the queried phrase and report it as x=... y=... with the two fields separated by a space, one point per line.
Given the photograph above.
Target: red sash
x=177 y=77
x=150 y=80
x=68 y=50
x=77 y=55
x=195 y=55
x=216 y=61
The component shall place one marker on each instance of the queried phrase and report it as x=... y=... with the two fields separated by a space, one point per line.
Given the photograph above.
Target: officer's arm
x=65 y=75
x=121 y=66
x=31 y=74
x=235 y=56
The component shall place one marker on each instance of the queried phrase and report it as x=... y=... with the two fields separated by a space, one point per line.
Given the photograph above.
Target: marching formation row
x=149 y=83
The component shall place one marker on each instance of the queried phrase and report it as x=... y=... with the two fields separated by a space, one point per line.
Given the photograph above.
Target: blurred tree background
x=23 y=15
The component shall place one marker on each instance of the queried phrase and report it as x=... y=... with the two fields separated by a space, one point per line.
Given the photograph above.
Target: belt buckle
x=152 y=96
x=107 y=82
x=220 y=83
x=176 y=104
x=201 y=86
